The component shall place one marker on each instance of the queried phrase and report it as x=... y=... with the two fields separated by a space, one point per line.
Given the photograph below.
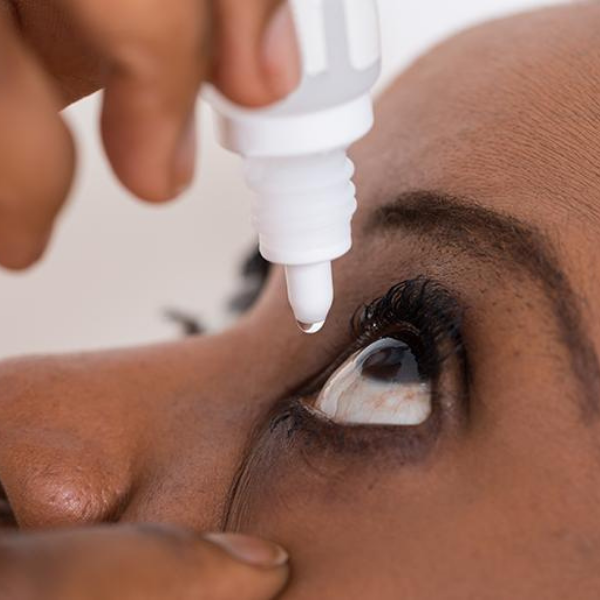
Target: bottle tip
x=310 y=328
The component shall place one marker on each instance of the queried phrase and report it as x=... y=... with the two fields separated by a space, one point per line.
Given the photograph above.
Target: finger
x=150 y=562
x=63 y=53
x=257 y=60
x=36 y=153
x=157 y=59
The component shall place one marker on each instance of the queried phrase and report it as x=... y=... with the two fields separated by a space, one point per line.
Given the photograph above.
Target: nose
x=53 y=480
x=153 y=434
x=59 y=465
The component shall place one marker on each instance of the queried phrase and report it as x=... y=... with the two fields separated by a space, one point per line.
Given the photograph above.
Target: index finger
x=36 y=152
x=157 y=56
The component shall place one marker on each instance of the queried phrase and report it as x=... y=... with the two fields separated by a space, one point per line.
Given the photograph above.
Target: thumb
x=144 y=561
x=258 y=569
x=257 y=59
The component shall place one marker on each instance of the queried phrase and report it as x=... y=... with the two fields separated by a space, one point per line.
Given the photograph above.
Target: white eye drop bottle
x=295 y=152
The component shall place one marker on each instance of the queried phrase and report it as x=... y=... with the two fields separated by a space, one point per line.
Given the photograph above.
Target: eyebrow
x=503 y=241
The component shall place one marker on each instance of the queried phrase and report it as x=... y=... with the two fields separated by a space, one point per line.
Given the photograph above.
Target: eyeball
x=380 y=385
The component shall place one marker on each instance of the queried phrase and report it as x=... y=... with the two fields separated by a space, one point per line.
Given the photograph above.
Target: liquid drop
x=310 y=328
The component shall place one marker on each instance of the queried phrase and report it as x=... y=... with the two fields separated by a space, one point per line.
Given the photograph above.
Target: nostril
x=59 y=482
x=7 y=515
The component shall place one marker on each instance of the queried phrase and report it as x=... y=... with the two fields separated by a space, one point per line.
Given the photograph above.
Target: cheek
x=365 y=530
x=318 y=516
x=353 y=527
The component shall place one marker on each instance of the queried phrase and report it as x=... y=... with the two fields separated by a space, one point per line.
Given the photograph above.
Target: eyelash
x=421 y=309
x=420 y=312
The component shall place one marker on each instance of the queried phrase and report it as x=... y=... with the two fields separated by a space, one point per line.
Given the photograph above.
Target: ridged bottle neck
x=303 y=206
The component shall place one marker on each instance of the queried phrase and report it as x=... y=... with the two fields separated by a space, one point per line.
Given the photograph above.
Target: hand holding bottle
x=151 y=57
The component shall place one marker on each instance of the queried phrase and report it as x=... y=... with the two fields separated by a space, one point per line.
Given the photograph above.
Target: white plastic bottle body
x=296 y=151
x=339 y=41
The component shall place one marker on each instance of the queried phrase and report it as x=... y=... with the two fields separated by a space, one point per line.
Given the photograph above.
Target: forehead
x=509 y=108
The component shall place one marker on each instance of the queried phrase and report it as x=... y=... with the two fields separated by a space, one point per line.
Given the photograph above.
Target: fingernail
x=250 y=550
x=281 y=55
x=184 y=163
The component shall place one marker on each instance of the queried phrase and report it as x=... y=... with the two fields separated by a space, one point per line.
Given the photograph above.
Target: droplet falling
x=310 y=328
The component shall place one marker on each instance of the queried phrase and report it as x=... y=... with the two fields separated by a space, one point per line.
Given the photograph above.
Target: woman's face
x=441 y=442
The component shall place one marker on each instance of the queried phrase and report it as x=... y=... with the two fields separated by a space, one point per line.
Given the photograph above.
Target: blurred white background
x=116 y=264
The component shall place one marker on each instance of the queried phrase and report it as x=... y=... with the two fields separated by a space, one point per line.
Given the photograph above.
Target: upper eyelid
x=414 y=292
x=426 y=305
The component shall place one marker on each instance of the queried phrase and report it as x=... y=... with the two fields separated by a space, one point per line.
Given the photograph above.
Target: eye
x=401 y=385
x=379 y=385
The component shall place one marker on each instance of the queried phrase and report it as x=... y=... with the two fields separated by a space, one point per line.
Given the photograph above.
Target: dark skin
x=479 y=177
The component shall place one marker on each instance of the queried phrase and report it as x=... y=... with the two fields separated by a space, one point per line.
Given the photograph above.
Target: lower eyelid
x=313 y=433
x=316 y=433
x=293 y=431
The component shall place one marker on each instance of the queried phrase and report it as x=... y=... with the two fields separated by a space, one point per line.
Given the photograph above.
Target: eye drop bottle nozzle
x=295 y=152
x=310 y=292
x=303 y=211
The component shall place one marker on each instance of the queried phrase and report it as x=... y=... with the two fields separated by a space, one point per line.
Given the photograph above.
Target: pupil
x=390 y=361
